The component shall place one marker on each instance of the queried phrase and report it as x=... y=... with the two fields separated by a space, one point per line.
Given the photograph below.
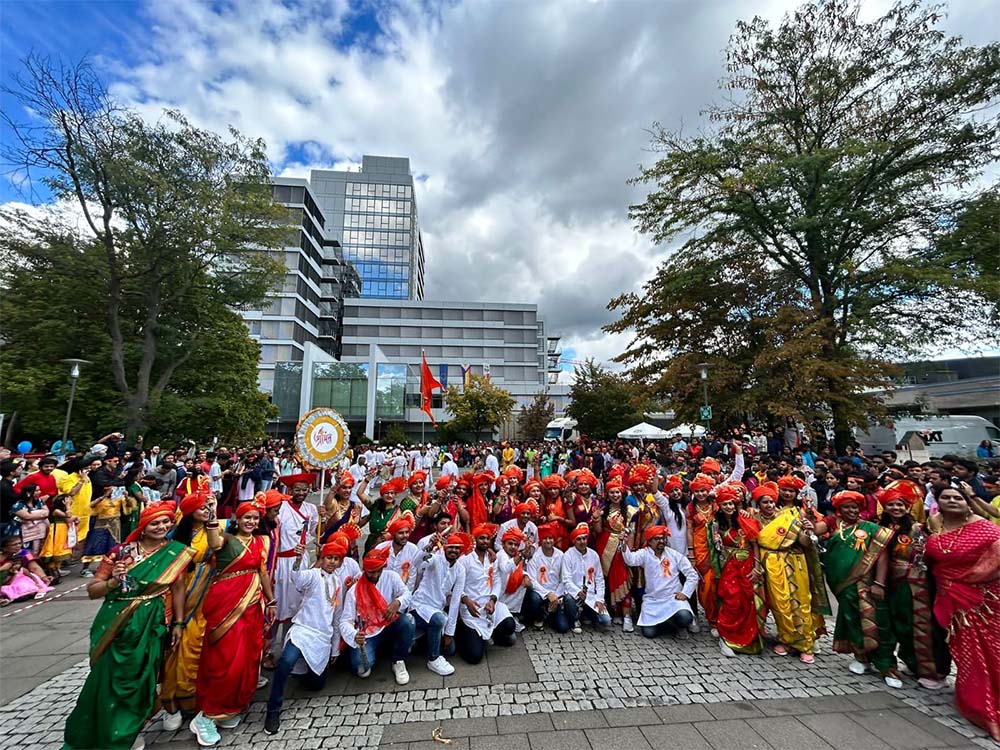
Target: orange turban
x=405 y=521
x=376 y=559
x=524 y=508
x=484 y=477
x=306 y=477
x=346 y=479
x=460 y=539
x=529 y=486
x=417 y=476
x=393 y=486
x=674 y=482
x=909 y=492
x=190 y=503
x=768 y=489
x=727 y=492
x=514 y=472
x=614 y=484
x=337 y=546
x=553 y=482
x=485 y=529
x=443 y=482
x=513 y=534
x=791 y=482
x=351 y=532
x=710 y=465
x=702 y=482
x=640 y=474
x=243 y=508
x=847 y=497
x=152 y=512
x=581 y=529
x=586 y=476
x=618 y=470
x=466 y=480
x=273 y=498
x=654 y=532
x=548 y=530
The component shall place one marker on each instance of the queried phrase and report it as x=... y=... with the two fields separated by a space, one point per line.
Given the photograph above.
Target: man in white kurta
x=665 y=607
x=523 y=523
x=297 y=524
x=405 y=557
x=513 y=581
x=436 y=604
x=484 y=617
x=543 y=602
x=583 y=579
x=364 y=628
x=313 y=633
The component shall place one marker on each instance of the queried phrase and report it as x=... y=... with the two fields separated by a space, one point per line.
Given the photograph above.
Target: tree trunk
x=135 y=419
x=842 y=435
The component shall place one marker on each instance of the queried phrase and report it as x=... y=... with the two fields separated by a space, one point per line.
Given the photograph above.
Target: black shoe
x=272 y=722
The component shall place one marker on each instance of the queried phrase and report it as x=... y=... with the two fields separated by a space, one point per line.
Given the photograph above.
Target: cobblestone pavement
x=549 y=682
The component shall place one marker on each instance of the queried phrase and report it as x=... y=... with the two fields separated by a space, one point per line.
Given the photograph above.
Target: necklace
x=948 y=550
x=850 y=528
x=147 y=553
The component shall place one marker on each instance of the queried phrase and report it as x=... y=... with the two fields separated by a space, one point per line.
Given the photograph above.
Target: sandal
x=780 y=650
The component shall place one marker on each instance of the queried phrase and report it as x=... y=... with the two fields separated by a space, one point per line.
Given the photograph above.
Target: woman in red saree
x=234 y=610
x=736 y=560
x=612 y=526
x=965 y=560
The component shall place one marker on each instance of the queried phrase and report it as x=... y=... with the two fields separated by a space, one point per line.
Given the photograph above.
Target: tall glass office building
x=373 y=214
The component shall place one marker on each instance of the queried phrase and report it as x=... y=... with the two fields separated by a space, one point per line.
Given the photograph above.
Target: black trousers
x=472 y=647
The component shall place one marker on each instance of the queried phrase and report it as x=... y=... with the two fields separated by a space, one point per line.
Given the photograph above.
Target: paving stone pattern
x=575 y=692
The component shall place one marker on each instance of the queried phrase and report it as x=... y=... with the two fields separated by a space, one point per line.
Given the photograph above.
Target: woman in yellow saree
x=796 y=593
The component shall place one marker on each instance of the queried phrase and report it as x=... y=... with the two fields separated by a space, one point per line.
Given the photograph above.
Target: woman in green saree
x=852 y=551
x=129 y=634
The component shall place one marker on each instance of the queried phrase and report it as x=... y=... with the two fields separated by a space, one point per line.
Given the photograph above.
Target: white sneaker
x=694 y=628
x=399 y=670
x=441 y=666
x=627 y=625
x=577 y=628
x=140 y=742
x=857 y=667
x=893 y=682
x=204 y=730
x=231 y=723
x=518 y=626
x=261 y=682
x=539 y=625
x=714 y=632
x=725 y=649
x=172 y=721
x=929 y=683
x=366 y=673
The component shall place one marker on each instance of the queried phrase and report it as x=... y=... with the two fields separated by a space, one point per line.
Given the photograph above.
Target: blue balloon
x=24 y=447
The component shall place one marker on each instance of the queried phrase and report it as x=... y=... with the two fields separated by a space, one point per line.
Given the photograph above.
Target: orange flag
x=427 y=385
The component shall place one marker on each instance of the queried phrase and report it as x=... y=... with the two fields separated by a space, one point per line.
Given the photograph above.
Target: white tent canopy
x=644 y=431
x=687 y=430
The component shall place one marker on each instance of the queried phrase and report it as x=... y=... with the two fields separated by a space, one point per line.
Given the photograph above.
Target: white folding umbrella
x=644 y=431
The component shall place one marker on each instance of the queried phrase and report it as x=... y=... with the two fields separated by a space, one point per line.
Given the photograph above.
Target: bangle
x=879 y=584
x=212 y=525
x=179 y=624
x=272 y=603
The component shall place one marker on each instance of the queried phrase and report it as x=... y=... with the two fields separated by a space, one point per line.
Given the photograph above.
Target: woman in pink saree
x=965 y=560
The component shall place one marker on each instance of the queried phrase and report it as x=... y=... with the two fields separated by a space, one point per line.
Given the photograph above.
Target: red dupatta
x=962 y=561
x=371 y=606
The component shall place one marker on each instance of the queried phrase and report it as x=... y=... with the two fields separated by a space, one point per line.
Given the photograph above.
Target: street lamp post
x=74 y=376
x=703 y=374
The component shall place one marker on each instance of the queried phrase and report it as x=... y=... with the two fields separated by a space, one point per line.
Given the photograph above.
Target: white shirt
x=530 y=531
x=292 y=521
x=662 y=582
x=313 y=628
x=578 y=569
x=506 y=565
x=546 y=572
x=399 y=464
x=492 y=464
x=677 y=540
x=440 y=590
x=450 y=469
x=215 y=477
x=482 y=580
x=390 y=586
x=406 y=562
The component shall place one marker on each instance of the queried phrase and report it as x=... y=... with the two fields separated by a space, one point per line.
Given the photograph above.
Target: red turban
x=614 y=484
x=618 y=470
x=338 y=546
x=768 y=489
x=152 y=512
x=674 y=482
x=243 y=508
x=581 y=529
x=524 y=508
x=485 y=529
x=702 y=482
x=443 y=482
x=376 y=559
x=640 y=474
x=393 y=486
x=190 y=503
x=727 y=492
x=466 y=480
x=655 y=531
x=346 y=479
x=586 y=476
x=460 y=539
x=273 y=498
x=417 y=476
x=909 y=492
x=351 y=531
x=484 y=477
x=791 y=482
x=710 y=464
x=514 y=472
x=847 y=497
x=513 y=534
x=404 y=521
x=307 y=477
x=553 y=481
x=529 y=486
x=548 y=530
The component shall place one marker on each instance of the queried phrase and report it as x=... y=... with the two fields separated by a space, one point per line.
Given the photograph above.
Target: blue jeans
x=536 y=609
x=679 y=621
x=576 y=611
x=399 y=634
x=434 y=630
x=289 y=656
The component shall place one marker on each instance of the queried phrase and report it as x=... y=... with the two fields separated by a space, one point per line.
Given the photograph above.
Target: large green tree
x=602 y=402
x=533 y=418
x=177 y=223
x=810 y=208
x=479 y=406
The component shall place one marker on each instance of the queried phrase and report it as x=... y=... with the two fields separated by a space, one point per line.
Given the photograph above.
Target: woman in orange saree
x=701 y=511
x=965 y=560
x=613 y=525
x=234 y=609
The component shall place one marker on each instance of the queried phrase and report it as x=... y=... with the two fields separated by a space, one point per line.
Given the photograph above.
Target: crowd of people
x=219 y=575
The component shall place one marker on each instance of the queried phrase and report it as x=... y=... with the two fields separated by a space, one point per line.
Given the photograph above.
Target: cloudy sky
x=523 y=119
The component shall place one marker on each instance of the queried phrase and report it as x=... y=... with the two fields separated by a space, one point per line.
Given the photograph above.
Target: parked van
x=561 y=430
x=957 y=435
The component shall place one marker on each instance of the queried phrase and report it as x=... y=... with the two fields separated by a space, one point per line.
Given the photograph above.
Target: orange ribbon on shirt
x=543 y=575
x=405 y=573
x=665 y=564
